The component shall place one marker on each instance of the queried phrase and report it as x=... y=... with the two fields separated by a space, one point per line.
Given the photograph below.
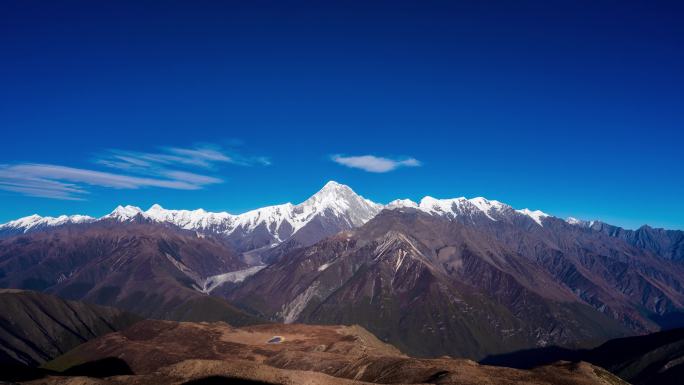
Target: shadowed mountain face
x=162 y=352
x=470 y=286
x=653 y=359
x=35 y=327
x=665 y=243
x=151 y=270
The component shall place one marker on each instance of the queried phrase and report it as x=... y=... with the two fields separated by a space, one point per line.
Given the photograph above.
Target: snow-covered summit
x=401 y=203
x=340 y=200
x=188 y=219
x=536 y=215
x=464 y=207
x=334 y=200
x=124 y=213
x=579 y=222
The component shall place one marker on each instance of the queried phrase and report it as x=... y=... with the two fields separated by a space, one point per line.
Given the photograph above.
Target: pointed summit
x=340 y=201
x=333 y=187
x=124 y=213
x=332 y=190
x=334 y=184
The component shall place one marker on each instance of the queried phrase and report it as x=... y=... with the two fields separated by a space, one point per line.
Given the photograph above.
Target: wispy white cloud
x=372 y=163
x=97 y=178
x=191 y=177
x=170 y=168
x=201 y=157
x=12 y=180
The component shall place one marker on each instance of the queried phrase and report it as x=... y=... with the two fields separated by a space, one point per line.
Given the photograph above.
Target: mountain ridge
x=333 y=196
x=264 y=234
x=327 y=196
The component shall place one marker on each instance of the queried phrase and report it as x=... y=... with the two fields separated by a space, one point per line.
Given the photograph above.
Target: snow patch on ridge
x=324 y=266
x=293 y=309
x=401 y=203
x=237 y=276
x=580 y=222
x=536 y=215
x=36 y=221
x=208 y=284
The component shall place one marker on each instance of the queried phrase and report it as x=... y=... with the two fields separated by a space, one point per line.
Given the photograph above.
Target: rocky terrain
x=163 y=352
x=665 y=243
x=148 y=269
x=433 y=285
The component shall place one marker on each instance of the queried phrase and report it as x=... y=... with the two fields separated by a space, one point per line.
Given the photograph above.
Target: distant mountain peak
x=36 y=221
x=331 y=191
x=401 y=203
x=124 y=213
x=331 y=184
x=341 y=199
x=536 y=215
x=579 y=222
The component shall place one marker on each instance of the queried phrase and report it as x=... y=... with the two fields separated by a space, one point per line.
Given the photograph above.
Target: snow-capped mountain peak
x=452 y=207
x=155 y=208
x=463 y=207
x=28 y=221
x=579 y=222
x=340 y=200
x=440 y=206
x=486 y=206
x=536 y=215
x=401 y=203
x=124 y=213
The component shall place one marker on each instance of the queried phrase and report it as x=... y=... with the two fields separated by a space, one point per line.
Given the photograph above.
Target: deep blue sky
x=572 y=107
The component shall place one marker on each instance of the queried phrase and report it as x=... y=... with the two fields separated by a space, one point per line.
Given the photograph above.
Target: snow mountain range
x=334 y=208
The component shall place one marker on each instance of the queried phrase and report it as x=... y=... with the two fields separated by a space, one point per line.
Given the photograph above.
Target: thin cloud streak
x=171 y=168
x=200 y=157
x=96 y=178
x=192 y=177
x=375 y=164
x=38 y=187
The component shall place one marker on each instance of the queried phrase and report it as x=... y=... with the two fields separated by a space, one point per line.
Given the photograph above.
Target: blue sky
x=572 y=107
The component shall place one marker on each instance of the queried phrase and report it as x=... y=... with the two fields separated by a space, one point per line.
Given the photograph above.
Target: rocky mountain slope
x=148 y=269
x=470 y=285
x=172 y=353
x=665 y=243
x=35 y=327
